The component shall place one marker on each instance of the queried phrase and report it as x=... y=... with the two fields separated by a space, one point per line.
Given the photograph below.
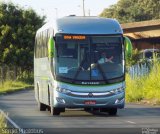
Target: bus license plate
x=90 y=102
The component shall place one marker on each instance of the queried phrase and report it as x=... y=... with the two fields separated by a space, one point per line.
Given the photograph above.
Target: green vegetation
x=2 y=121
x=18 y=28
x=145 y=89
x=133 y=59
x=10 y=86
x=133 y=10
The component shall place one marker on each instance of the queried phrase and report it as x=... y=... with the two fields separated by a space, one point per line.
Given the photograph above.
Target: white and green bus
x=79 y=63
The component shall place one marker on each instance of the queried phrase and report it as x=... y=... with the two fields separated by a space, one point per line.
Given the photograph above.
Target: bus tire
x=55 y=111
x=49 y=101
x=112 y=111
x=42 y=107
x=87 y=109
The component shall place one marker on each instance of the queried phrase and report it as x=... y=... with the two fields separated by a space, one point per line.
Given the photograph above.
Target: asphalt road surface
x=134 y=119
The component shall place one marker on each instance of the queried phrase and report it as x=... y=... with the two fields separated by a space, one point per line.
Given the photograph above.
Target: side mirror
x=51 y=47
x=128 y=47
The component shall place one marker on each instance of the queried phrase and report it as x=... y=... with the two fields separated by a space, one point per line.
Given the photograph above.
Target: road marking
x=131 y=122
x=11 y=121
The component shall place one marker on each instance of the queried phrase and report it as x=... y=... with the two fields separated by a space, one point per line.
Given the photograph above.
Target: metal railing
x=139 y=70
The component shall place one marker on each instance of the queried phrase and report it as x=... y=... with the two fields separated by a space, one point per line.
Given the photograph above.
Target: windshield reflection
x=97 y=58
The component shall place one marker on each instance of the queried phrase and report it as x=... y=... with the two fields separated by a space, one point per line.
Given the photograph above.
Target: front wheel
x=55 y=111
x=112 y=111
x=41 y=106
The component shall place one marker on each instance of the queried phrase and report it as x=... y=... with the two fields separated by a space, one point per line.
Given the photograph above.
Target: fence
x=8 y=73
x=139 y=70
x=13 y=73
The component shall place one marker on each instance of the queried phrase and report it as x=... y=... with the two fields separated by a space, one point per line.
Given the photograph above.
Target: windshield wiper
x=79 y=69
x=118 y=79
x=102 y=73
x=99 y=67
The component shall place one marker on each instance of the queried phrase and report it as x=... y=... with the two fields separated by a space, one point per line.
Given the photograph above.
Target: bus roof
x=84 y=25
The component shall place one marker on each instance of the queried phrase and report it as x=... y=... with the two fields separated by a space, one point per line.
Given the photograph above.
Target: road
x=22 y=109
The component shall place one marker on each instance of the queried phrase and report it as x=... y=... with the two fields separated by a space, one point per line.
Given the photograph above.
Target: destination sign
x=74 y=37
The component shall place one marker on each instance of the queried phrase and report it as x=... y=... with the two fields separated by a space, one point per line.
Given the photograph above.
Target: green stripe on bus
x=51 y=48
x=44 y=78
x=81 y=85
x=90 y=85
x=129 y=47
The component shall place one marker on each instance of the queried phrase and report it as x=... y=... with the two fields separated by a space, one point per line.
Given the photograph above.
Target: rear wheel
x=112 y=111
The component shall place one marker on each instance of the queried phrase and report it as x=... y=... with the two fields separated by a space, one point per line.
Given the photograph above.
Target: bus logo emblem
x=90 y=95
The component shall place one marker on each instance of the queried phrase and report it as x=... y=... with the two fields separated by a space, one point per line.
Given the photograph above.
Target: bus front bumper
x=66 y=101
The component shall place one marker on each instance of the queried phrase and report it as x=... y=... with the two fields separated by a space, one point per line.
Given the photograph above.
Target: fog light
x=60 y=100
x=119 y=101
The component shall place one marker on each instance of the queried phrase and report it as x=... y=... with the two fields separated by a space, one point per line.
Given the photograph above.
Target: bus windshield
x=89 y=58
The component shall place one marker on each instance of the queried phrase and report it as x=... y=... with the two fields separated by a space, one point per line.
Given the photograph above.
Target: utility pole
x=56 y=13
x=83 y=9
x=89 y=12
x=42 y=11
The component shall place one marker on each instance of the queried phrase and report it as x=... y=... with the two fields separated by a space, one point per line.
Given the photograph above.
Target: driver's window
x=68 y=51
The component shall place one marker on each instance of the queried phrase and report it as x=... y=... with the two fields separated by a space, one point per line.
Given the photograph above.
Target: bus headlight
x=117 y=90
x=121 y=89
x=63 y=90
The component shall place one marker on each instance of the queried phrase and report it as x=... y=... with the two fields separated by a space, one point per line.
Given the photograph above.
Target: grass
x=144 y=89
x=10 y=86
x=2 y=121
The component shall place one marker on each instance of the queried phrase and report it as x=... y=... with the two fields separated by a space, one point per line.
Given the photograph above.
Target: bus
x=79 y=62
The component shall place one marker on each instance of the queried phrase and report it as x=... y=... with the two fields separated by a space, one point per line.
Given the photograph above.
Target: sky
x=59 y=8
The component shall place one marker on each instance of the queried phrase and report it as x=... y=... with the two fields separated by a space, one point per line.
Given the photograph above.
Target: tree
x=133 y=10
x=17 y=32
